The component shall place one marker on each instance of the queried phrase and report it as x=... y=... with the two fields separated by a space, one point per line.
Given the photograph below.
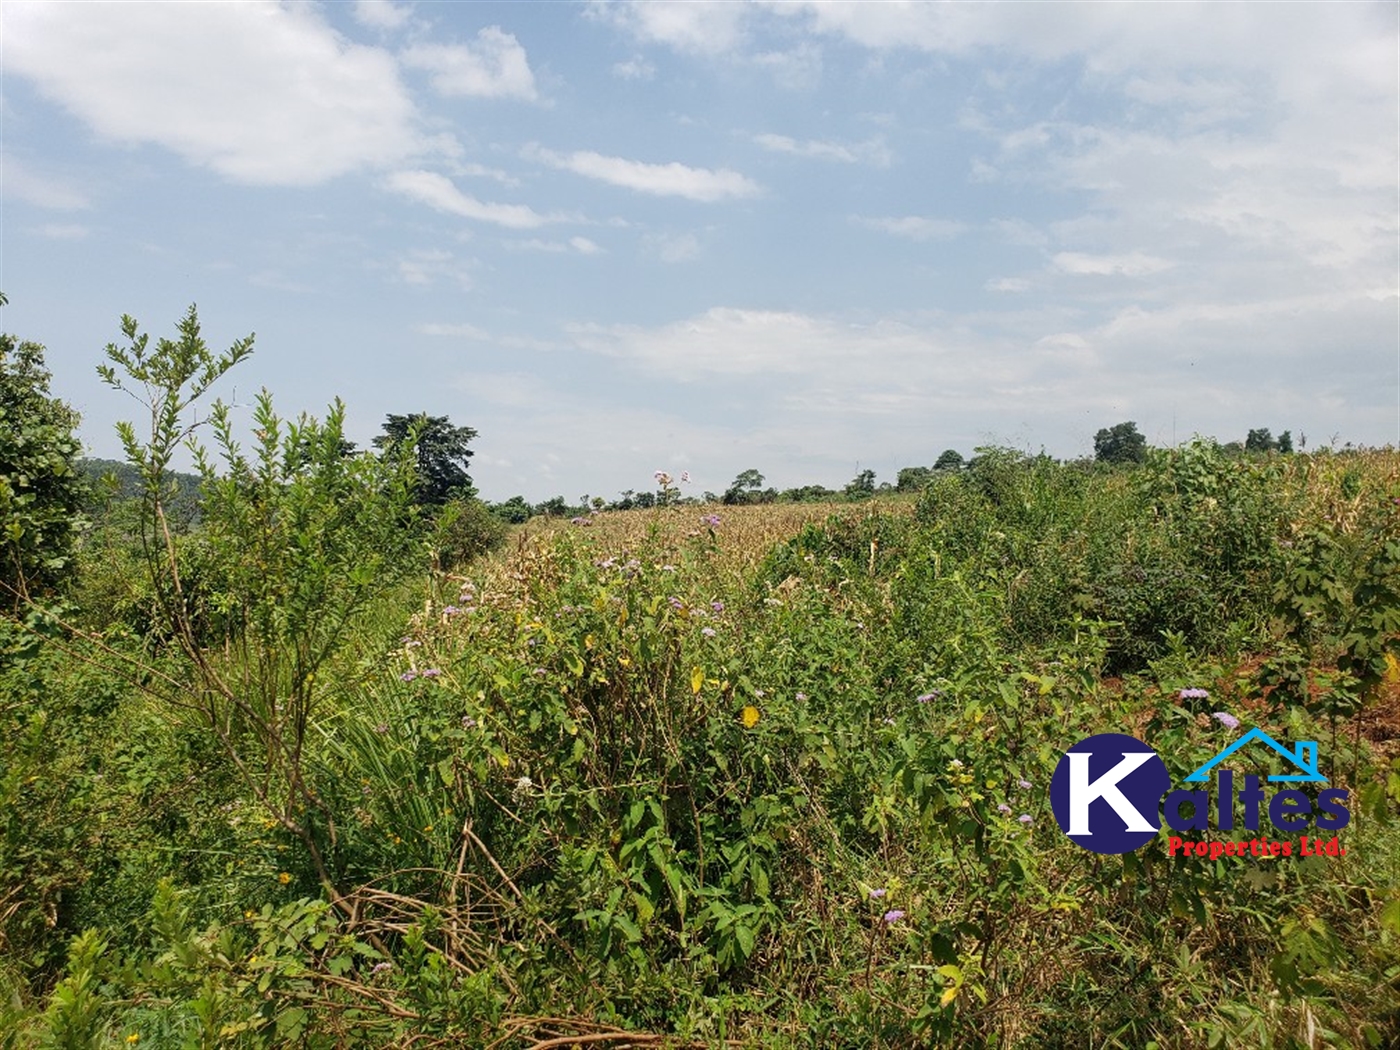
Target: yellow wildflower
x=133 y=1038
x=284 y=878
x=750 y=716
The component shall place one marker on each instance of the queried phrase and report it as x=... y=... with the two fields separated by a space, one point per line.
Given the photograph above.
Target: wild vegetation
x=312 y=767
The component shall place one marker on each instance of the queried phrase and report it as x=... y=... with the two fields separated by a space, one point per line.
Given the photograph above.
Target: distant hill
x=183 y=509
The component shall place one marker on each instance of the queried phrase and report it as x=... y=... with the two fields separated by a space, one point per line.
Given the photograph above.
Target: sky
x=806 y=238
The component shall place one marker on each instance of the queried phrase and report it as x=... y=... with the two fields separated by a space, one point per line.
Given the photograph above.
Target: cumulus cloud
x=704 y=26
x=493 y=66
x=705 y=185
x=440 y=193
x=382 y=14
x=267 y=93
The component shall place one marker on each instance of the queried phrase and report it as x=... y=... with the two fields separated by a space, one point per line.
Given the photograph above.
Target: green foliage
x=1120 y=443
x=439 y=452
x=465 y=529
x=862 y=486
x=949 y=459
x=301 y=539
x=514 y=511
x=41 y=489
x=665 y=783
x=1260 y=440
x=746 y=488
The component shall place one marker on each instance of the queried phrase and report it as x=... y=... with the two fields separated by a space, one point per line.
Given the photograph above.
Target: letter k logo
x=1082 y=792
x=1109 y=808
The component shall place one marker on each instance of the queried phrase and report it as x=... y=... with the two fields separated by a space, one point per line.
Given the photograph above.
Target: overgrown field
x=747 y=776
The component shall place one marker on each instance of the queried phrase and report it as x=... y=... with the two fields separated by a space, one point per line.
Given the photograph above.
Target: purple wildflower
x=382 y=728
x=1004 y=809
x=675 y=603
x=381 y=967
x=432 y=672
x=717 y=606
x=1229 y=721
x=685 y=477
x=877 y=894
x=929 y=697
x=450 y=610
x=712 y=520
x=800 y=697
x=1194 y=694
x=708 y=632
x=408 y=676
x=1025 y=818
x=540 y=671
x=893 y=916
x=468 y=722
x=1024 y=785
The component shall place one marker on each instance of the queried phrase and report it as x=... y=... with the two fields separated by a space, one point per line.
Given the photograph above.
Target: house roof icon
x=1303 y=756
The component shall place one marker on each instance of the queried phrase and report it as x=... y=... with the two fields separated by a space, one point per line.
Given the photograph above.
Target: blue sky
x=808 y=238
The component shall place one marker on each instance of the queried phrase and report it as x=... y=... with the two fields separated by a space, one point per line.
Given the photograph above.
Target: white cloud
x=494 y=66
x=1008 y=284
x=426 y=266
x=440 y=193
x=661 y=180
x=577 y=245
x=705 y=26
x=382 y=14
x=673 y=248
x=42 y=190
x=1134 y=264
x=915 y=227
x=63 y=231
x=259 y=92
x=873 y=151
x=635 y=68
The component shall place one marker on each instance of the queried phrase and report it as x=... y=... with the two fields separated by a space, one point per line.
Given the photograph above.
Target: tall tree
x=1260 y=440
x=41 y=487
x=441 y=452
x=951 y=459
x=1120 y=443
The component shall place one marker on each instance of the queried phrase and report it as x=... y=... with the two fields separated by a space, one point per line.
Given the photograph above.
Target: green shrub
x=465 y=529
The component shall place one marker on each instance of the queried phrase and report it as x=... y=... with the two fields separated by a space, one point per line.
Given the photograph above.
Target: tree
x=1120 y=443
x=912 y=479
x=302 y=540
x=1285 y=443
x=441 y=455
x=862 y=485
x=1260 y=440
x=41 y=487
x=951 y=459
x=745 y=487
x=514 y=510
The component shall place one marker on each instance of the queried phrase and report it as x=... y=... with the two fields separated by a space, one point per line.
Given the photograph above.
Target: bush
x=41 y=489
x=466 y=529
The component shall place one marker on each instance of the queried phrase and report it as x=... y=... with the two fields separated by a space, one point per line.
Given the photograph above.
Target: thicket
x=337 y=784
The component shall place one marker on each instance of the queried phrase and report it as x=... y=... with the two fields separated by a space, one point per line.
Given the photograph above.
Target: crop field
x=704 y=775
